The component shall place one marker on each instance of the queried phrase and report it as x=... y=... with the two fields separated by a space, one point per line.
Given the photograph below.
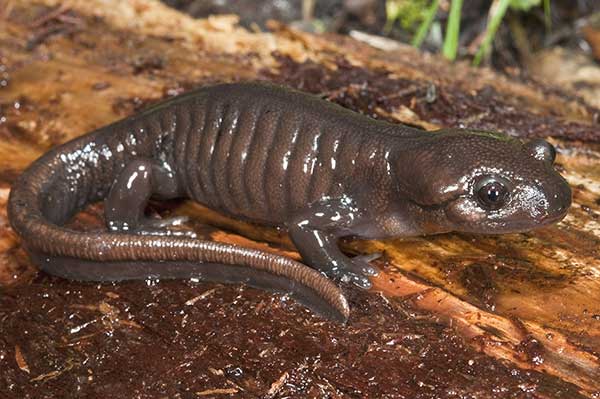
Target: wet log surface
x=452 y=316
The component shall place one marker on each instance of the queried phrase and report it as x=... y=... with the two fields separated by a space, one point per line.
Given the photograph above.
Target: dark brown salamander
x=277 y=157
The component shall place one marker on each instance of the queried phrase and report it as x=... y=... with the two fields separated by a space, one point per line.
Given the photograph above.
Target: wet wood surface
x=480 y=316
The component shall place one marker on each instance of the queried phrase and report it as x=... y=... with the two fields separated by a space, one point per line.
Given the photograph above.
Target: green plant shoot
x=452 y=30
x=426 y=24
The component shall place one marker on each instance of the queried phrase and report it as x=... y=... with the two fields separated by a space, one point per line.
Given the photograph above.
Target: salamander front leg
x=315 y=232
x=129 y=195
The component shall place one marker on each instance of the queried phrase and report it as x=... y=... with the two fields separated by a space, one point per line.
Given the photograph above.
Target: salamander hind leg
x=315 y=231
x=129 y=195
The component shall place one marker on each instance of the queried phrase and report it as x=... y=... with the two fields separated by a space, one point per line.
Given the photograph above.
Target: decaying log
x=478 y=316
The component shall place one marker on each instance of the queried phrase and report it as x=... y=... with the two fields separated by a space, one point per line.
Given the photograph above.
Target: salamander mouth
x=519 y=226
x=438 y=206
x=486 y=223
x=552 y=218
x=486 y=226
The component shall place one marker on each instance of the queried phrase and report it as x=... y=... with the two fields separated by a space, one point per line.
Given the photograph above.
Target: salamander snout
x=557 y=203
x=553 y=197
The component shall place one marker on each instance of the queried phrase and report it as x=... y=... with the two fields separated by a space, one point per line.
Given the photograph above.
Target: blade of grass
x=497 y=11
x=452 y=30
x=547 y=15
x=426 y=24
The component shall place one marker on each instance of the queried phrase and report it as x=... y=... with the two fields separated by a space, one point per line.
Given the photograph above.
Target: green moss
x=408 y=13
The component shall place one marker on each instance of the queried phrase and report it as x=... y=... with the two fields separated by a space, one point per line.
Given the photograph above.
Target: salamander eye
x=491 y=193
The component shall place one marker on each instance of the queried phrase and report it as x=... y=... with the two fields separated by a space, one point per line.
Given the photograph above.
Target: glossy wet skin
x=277 y=157
x=490 y=183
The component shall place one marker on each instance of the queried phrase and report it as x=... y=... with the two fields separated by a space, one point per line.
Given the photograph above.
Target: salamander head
x=483 y=182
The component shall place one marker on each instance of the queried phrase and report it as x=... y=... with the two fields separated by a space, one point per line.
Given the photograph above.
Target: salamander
x=277 y=157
